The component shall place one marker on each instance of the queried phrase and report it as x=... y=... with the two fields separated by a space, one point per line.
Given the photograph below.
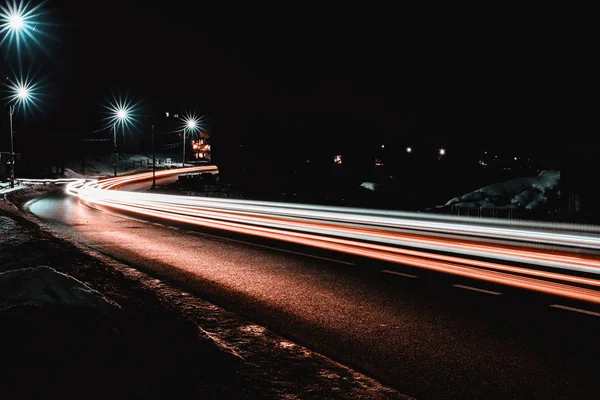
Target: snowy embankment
x=45 y=285
x=73 y=326
x=101 y=166
x=527 y=193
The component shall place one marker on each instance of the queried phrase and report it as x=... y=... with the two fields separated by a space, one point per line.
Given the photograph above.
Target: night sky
x=370 y=75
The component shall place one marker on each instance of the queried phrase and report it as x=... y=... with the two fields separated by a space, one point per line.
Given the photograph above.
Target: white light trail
x=452 y=245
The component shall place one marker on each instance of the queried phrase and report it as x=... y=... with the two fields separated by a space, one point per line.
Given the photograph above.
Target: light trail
x=453 y=245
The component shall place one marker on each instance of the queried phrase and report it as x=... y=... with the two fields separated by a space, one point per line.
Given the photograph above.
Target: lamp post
x=191 y=123
x=13 y=22
x=21 y=95
x=441 y=153
x=153 y=161
x=121 y=116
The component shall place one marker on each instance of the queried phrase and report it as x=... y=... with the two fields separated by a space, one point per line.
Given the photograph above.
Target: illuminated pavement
x=436 y=308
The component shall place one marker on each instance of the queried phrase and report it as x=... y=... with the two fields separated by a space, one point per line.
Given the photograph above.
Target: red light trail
x=453 y=245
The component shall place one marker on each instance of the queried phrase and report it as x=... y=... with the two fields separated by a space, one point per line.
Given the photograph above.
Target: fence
x=133 y=164
x=486 y=212
x=221 y=190
x=556 y=215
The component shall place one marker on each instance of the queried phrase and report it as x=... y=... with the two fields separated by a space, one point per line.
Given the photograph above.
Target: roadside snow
x=527 y=192
x=5 y=187
x=101 y=165
x=43 y=284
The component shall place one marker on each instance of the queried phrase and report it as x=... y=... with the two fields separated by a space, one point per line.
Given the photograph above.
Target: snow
x=99 y=167
x=369 y=186
x=526 y=192
x=5 y=187
x=376 y=187
x=43 y=284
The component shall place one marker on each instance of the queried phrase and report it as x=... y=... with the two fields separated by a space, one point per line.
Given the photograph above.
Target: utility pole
x=153 y=161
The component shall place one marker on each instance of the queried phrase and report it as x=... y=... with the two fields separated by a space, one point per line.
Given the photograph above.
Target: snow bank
x=43 y=284
x=528 y=193
x=369 y=186
x=5 y=187
x=376 y=187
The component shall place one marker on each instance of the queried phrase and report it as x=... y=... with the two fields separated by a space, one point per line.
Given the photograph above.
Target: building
x=201 y=147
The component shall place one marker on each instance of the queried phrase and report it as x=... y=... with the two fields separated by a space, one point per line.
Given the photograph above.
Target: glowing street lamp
x=442 y=152
x=22 y=95
x=17 y=22
x=120 y=113
x=191 y=123
x=121 y=117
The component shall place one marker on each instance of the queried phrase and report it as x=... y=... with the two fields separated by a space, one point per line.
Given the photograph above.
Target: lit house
x=201 y=147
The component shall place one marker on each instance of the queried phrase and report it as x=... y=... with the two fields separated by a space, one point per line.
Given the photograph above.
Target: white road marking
x=579 y=310
x=477 y=289
x=398 y=273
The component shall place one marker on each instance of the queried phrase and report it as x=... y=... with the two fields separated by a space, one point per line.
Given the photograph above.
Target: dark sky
x=378 y=74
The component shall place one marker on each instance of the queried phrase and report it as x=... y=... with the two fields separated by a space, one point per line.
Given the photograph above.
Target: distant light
x=167 y=114
x=122 y=114
x=383 y=146
x=409 y=149
x=516 y=158
x=16 y=21
x=442 y=152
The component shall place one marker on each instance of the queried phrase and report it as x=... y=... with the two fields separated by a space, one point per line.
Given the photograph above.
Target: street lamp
x=120 y=112
x=121 y=117
x=190 y=123
x=17 y=22
x=441 y=153
x=22 y=94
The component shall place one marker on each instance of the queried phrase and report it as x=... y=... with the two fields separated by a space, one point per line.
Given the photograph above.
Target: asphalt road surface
x=429 y=335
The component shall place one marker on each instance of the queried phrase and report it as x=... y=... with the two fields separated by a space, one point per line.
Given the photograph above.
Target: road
x=428 y=334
